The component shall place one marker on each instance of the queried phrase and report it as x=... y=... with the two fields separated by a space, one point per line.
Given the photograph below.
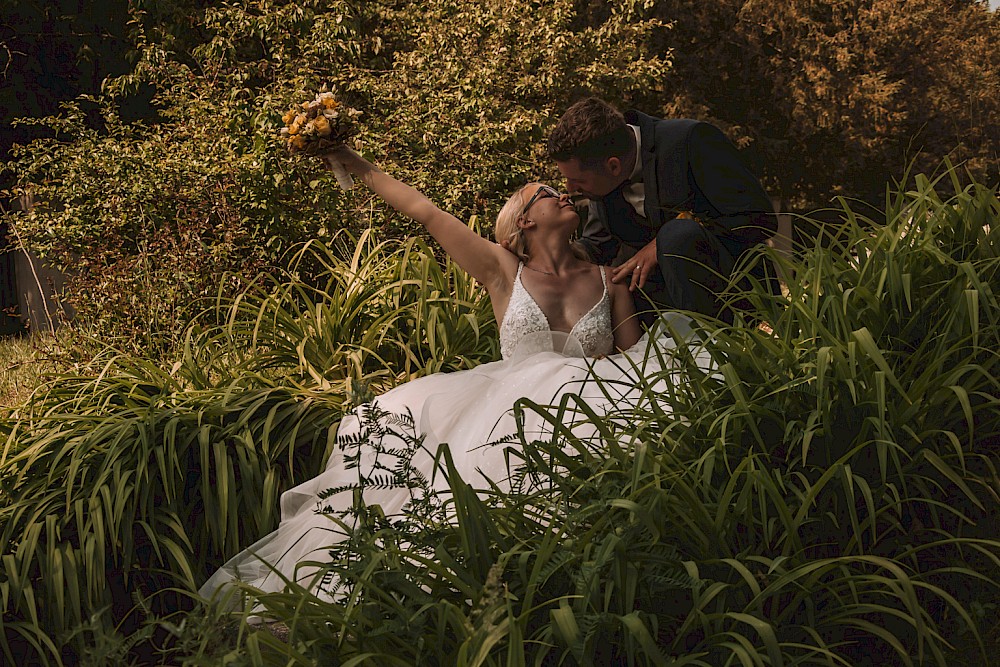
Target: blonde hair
x=508 y=234
x=506 y=231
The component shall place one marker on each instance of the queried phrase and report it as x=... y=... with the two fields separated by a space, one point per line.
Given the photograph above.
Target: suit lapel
x=664 y=163
x=650 y=182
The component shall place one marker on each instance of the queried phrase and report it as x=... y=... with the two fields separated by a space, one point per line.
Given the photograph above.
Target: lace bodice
x=524 y=317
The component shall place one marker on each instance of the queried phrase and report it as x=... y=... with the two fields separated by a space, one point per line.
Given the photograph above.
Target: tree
x=836 y=97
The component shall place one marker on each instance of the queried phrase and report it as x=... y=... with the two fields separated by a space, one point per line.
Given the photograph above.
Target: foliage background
x=166 y=175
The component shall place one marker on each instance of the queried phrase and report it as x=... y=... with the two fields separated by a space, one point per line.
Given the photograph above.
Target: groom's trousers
x=695 y=266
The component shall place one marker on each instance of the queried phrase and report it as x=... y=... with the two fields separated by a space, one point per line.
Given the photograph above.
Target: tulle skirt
x=472 y=411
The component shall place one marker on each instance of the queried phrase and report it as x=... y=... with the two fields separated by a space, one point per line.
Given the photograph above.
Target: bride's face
x=545 y=204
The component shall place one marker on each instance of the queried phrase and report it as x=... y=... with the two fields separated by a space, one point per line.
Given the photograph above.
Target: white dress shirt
x=635 y=192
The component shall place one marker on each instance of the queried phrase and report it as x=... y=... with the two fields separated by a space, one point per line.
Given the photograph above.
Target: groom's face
x=595 y=182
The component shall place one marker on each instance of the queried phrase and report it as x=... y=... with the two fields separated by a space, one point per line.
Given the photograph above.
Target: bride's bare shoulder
x=508 y=259
x=616 y=290
x=507 y=263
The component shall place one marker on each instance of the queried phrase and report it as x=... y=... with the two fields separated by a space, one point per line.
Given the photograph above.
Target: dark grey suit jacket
x=687 y=165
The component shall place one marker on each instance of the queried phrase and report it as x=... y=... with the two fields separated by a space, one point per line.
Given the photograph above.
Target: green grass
x=827 y=496
x=30 y=362
x=24 y=364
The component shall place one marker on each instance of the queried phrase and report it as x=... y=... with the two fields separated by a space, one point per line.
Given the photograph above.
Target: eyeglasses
x=543 y=192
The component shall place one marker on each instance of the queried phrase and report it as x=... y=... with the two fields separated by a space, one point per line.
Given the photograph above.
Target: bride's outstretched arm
x=477 y=255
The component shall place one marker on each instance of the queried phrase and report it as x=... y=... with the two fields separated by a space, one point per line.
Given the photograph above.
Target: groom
x=672 y=206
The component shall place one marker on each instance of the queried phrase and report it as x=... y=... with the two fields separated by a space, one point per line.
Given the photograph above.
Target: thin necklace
x=548 y=273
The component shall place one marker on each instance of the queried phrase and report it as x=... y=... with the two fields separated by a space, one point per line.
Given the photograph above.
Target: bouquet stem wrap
x=344 y=179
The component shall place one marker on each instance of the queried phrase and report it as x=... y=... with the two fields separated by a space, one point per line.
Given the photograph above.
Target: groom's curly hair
x=591 y=130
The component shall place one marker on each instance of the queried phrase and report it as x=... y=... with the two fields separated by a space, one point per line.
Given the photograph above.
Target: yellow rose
x=298 y=142
x=295 y=126
x=288 y=117
x=322 y=126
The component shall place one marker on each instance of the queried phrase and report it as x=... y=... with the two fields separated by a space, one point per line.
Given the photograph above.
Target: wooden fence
x=32 y=294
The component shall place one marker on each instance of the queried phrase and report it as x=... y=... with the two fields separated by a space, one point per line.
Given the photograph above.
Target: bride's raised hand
x=343 y=162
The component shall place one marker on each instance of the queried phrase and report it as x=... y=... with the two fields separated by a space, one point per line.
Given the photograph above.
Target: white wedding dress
x=468 y=410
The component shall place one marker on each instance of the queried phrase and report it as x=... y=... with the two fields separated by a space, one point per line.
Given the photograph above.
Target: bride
x=562 y=321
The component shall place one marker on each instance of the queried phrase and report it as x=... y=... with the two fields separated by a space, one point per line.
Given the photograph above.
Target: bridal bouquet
x=319 y=126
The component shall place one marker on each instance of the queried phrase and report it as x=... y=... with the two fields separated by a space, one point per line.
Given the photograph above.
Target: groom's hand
x=637 y=268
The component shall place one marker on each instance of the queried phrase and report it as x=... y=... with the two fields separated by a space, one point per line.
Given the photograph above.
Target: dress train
x=466 y=409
